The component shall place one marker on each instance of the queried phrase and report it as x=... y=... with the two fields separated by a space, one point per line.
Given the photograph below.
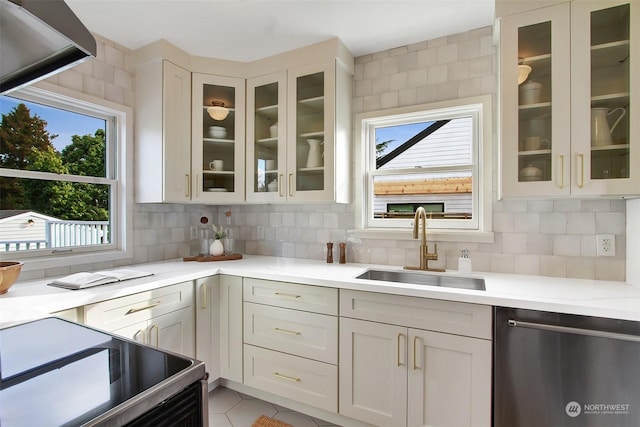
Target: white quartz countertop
x=619 y=300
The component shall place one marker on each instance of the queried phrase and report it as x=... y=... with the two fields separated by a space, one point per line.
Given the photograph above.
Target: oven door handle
x=570 y=330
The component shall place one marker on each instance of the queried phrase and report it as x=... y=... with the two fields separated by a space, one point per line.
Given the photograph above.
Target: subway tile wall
x=546 y=237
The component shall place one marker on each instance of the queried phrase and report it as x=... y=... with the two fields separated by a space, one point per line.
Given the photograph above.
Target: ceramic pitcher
x=314 y=158
x=600 y=130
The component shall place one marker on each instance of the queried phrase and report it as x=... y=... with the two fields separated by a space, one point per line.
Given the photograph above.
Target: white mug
x=532 y=143
x=216 y=165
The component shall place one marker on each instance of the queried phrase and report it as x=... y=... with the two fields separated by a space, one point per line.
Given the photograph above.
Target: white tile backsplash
x=548 y=237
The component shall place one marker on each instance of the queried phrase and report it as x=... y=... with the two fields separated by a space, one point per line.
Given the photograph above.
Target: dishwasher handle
x=569 y=330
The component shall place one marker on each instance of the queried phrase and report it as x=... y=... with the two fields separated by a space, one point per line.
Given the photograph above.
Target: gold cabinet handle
x=415 y=354
x=290 y=185
x=283 y=294
x=147 y=307
x=561 y=157
x=137 y=334
x=286 y=331
x=203 y=303
x=280 y=181
x=400 y=335
x=151 y=328
x=286 y=377
x=581 y=183
x=186 y=188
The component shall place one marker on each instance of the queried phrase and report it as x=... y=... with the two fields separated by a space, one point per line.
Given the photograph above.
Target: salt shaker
x=329 y=252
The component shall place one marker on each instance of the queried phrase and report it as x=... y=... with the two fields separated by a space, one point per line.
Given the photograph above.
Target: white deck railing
x=63 y=234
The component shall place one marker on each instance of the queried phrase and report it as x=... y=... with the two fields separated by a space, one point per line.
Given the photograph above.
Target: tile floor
x=228 y=408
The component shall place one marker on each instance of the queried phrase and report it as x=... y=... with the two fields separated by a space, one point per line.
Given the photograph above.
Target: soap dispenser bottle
x=464 y=262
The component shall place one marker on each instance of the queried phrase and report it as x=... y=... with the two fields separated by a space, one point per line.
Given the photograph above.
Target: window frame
x=481 y=231
x=119 y=158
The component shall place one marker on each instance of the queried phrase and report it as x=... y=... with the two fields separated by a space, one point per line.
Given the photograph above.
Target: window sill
x=432 y=235
x=62 y=261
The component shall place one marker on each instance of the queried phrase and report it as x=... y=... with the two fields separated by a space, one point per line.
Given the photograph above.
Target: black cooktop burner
x=55 y=373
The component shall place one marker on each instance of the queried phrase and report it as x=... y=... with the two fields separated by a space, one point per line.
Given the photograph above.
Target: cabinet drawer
x=317 y=299
x=121 y=312
x=458 y=318
x=303 y=380
x=310 y=335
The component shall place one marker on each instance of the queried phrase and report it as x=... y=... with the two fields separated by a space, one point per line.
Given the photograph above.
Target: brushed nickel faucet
x=425 y=255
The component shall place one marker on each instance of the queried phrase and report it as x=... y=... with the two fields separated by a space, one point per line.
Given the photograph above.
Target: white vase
x=216 y=248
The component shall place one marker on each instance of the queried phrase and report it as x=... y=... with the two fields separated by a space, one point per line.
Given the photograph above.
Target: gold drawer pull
x=282 y=294
x=399 y=336
x=286 y=331
x=285 y=377
x=415 y=356
x=137 y=309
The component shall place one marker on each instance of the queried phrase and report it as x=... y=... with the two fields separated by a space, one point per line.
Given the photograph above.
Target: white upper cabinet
x=298 y=130
x=567 y=127
x=163 y=133
x=292 y=145
x=218 y=145
x=267 y=137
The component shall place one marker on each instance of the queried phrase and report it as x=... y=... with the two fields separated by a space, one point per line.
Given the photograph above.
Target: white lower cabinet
x=172 y=331
x=231 y=328
x=291 y=341
x=303 y=380
x=396 y=375
x=161 y=317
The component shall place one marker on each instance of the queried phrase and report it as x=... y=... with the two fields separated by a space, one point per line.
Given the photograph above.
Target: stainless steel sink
x=418 y=278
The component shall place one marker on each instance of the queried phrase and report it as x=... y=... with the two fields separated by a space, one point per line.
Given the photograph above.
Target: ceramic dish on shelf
x=216 y=190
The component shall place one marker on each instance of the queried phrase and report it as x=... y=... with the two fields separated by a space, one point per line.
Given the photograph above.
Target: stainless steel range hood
x=39 y=38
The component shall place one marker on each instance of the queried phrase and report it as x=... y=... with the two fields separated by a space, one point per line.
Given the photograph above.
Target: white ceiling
x=245 y=30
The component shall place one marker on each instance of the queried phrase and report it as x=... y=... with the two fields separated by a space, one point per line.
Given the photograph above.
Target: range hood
x=39 y=38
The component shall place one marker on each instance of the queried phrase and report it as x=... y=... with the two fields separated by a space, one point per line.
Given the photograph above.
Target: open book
x=87 y=280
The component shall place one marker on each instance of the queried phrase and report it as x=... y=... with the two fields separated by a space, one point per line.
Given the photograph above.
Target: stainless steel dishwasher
x=555 y=369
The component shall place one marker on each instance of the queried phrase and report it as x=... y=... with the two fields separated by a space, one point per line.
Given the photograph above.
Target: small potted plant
x=216 y=248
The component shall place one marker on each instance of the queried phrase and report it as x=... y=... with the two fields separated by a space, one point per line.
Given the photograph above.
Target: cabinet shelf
x=218 y=141
x=609 y=54
x=312 y=134
x=270 y=143
x=544 y=152
x=623 y=147
x=268 y=112
x=315 y=170
x=206 y=172
x=311 y=105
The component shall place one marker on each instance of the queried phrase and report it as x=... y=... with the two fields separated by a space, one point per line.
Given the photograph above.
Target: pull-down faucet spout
x=421 y=218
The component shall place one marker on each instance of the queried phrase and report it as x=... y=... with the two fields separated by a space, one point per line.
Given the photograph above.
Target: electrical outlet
x=193 y=233
x=606 y=245
x=260 y=233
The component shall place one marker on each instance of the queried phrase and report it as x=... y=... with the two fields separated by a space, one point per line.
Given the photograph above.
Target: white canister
x=273 y=130
x=530 y=93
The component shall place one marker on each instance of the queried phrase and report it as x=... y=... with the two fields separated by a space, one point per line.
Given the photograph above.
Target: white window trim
x=122 y=200
x=484 y=233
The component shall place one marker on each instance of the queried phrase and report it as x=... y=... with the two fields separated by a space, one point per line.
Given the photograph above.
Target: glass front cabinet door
x=605 y=90
x=217 y=150
x=566 y=100
x=266 y=138
x=298 y=129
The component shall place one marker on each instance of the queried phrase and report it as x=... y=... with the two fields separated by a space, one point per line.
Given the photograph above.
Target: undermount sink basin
x=420 y=278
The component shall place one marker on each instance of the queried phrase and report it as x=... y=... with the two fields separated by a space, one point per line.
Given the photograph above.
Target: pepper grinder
x=329 y=252
x=343 y=254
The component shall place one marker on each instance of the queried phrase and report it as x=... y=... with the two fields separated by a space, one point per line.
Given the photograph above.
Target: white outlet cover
x=605 y=245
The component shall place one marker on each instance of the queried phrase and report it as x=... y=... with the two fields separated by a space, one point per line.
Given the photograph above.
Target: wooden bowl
x=9 y=271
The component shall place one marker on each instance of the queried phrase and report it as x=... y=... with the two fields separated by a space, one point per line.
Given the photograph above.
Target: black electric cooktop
x=59 y=373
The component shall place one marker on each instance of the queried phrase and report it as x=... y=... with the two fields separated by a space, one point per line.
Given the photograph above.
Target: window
x=62 y=176
x=436 y=156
